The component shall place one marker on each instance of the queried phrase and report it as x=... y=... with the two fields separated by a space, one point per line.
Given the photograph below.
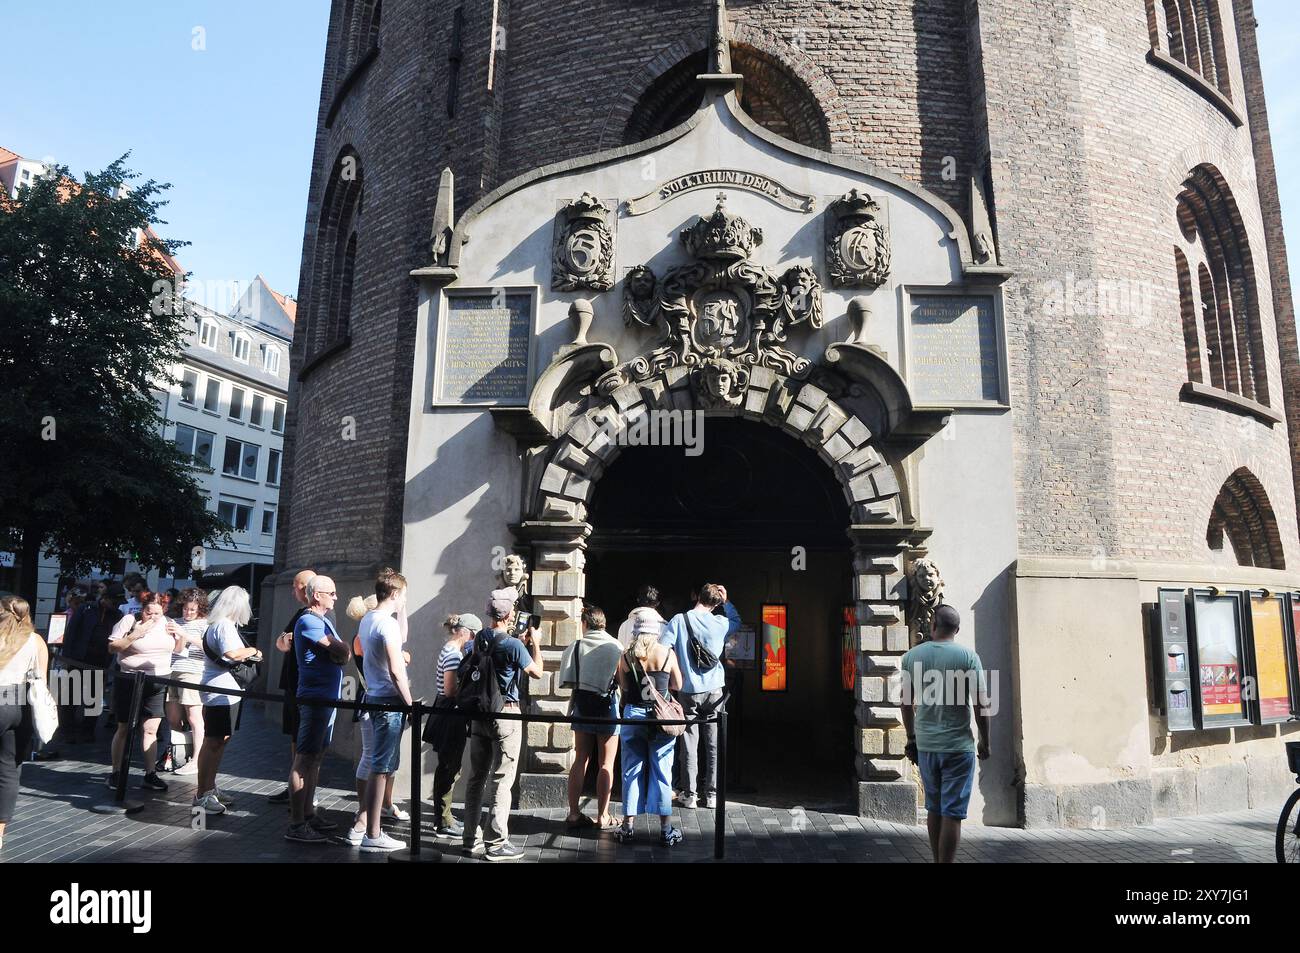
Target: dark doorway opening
x=760 y=513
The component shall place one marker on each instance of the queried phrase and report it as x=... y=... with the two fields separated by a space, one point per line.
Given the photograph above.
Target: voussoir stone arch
x=591 y=440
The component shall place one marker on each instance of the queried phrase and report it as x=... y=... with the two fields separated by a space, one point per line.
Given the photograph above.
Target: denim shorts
x=386 y=746
x=315 y=728
x=948 y=777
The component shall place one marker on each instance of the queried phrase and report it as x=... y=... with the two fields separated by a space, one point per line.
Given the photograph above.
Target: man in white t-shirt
x=382 y=632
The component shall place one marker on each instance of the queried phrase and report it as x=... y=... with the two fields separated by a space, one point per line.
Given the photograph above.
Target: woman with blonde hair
x=647 y=751
x=21 y=651
x=187 y=666
x=223 y=648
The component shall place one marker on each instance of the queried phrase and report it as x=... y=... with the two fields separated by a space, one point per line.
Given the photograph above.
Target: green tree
x=89 y=324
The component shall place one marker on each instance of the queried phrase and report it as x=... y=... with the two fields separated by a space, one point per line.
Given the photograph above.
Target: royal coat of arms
x=720 y=315
x=857 y=248
x=583 y=256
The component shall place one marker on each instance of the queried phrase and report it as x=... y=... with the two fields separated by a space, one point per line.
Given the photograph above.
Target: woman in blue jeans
x=647 y=751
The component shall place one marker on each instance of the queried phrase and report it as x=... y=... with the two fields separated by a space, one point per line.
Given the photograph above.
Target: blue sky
x=231 y=125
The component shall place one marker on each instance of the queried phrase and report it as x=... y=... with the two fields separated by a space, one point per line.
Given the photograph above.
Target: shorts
x=218 y=721
x=186 y=697
x=948 y=777
x=315 y=728
x=386 y=749
x=367 y=745
x=590 y=705
x=124 y=690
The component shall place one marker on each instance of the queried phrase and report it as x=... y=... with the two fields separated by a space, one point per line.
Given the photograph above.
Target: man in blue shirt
x=701 y=687
x=321 y=656
x=494 y=744
x=941 y=680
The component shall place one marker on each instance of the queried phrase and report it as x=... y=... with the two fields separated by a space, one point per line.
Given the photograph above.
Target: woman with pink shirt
x=143 y=644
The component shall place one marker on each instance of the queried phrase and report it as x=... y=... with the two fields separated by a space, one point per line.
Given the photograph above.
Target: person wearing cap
x=494 y=744
x=463 y=627
x=940 y=682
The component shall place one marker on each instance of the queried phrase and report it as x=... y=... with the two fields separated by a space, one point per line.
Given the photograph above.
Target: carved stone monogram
x=721 y=314
x=584 y=246
x=857 y=248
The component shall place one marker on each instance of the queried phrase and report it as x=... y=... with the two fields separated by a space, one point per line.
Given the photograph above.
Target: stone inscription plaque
x=483 y=353
x=954 y=350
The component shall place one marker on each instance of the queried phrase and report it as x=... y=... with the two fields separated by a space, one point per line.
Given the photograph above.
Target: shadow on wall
x=990 y=616
x=943 y=98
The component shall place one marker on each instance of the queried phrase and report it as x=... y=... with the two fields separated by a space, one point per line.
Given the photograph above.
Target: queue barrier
x=715 y=715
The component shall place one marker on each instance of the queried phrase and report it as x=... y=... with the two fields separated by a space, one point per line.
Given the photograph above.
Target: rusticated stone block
x=550 y=762
x=871 y=688
x=884 y=715
x=885 y=664
x=571 y=583
x=537 y=734
x=896 y=741
x=561 y=736
x=868 y=587
x=626 y=397
x=542 y=583
x=871 y=638
x=892 y=801
x=870 y=741
x=896 y=638
x=880 y=613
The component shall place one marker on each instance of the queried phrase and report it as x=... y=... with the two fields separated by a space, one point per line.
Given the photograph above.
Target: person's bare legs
x=360 y=822
x=194 y=715
x=606 y=752
x=934 y=824
x=388 y=790
x=149 y=741
x=374 y=804
x=119 y=743
x=214 y=746
x=949 y=838
x=582 y=745
x=302 y=786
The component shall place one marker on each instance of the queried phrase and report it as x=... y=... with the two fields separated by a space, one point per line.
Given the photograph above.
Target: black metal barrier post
x=413 y=854
x=720 y=818
x=119 y=804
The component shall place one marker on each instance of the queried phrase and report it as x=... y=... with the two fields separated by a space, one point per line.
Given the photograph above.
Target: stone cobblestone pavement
x=54 y=823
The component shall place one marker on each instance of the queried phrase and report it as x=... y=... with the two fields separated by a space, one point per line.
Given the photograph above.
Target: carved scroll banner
x=483 y=349
x=721 y=178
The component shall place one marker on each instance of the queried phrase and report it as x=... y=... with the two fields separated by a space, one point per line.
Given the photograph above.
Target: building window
x=277 y=417
x=273 y=467
x=336 y=255
x=268 y=520
x=1244 y=516
x=195 y=443
x=189 y=387
x=1191 y=32
x=241 y=346
x=1218 y=299
x=270 y=359
x=240 y=459
x=236 y=403
x=256 y=410
x=212 y=396
x=360 y=32
x=237 y=514
x=208 y=333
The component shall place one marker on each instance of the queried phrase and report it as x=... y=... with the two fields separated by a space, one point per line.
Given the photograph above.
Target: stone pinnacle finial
x=719 y=40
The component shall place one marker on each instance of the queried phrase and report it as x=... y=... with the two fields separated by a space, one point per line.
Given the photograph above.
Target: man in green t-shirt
x=941 y=680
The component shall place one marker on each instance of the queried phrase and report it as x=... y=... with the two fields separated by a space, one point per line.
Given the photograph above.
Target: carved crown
x=721 y=235
x=587 y=207
x=854 y=202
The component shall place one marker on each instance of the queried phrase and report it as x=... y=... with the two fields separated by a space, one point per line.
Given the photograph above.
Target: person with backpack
x=225 y=658
x=488 y=683
x=647 y=673
x=447 y=734
x=589 y=666
x=698 y=636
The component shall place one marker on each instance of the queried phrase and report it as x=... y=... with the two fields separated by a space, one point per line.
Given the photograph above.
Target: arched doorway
x=759 y=512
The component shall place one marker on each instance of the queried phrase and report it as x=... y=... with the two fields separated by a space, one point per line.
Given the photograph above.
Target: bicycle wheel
x=1288 y=831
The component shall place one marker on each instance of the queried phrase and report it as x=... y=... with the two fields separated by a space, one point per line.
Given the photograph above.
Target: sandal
x=608 y=822
x=575 y=821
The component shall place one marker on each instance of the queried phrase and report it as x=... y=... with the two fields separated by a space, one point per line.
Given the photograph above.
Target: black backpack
x=477 y=687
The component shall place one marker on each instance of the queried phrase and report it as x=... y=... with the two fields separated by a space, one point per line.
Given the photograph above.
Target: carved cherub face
x=512 y=573
x=926 y=581
x=640 y=282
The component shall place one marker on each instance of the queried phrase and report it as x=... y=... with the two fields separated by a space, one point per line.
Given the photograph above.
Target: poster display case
x=1173 y=660
x=1270 y=653
x=1217 y=628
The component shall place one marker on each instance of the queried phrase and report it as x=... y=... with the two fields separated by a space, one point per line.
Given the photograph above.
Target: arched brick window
x=1216 y=285
x=1191 y=32
x=360 y=33
x=336 y=253
x=772 y=94
x=1243 y=514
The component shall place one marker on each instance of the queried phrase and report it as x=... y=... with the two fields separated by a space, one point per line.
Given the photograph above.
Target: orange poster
x=774 y=643
x=1220 y=664
x=1270 y=657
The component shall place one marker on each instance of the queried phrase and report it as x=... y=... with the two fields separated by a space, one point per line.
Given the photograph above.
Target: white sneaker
x=382 y=843
x=394 y=813
x=209 y=804
x=354 y=837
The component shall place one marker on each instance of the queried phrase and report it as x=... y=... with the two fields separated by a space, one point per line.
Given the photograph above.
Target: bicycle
x=1288 y=825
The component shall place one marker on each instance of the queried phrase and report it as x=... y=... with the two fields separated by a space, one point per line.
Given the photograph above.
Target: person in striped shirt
x=187 y=666
x=463 y=628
